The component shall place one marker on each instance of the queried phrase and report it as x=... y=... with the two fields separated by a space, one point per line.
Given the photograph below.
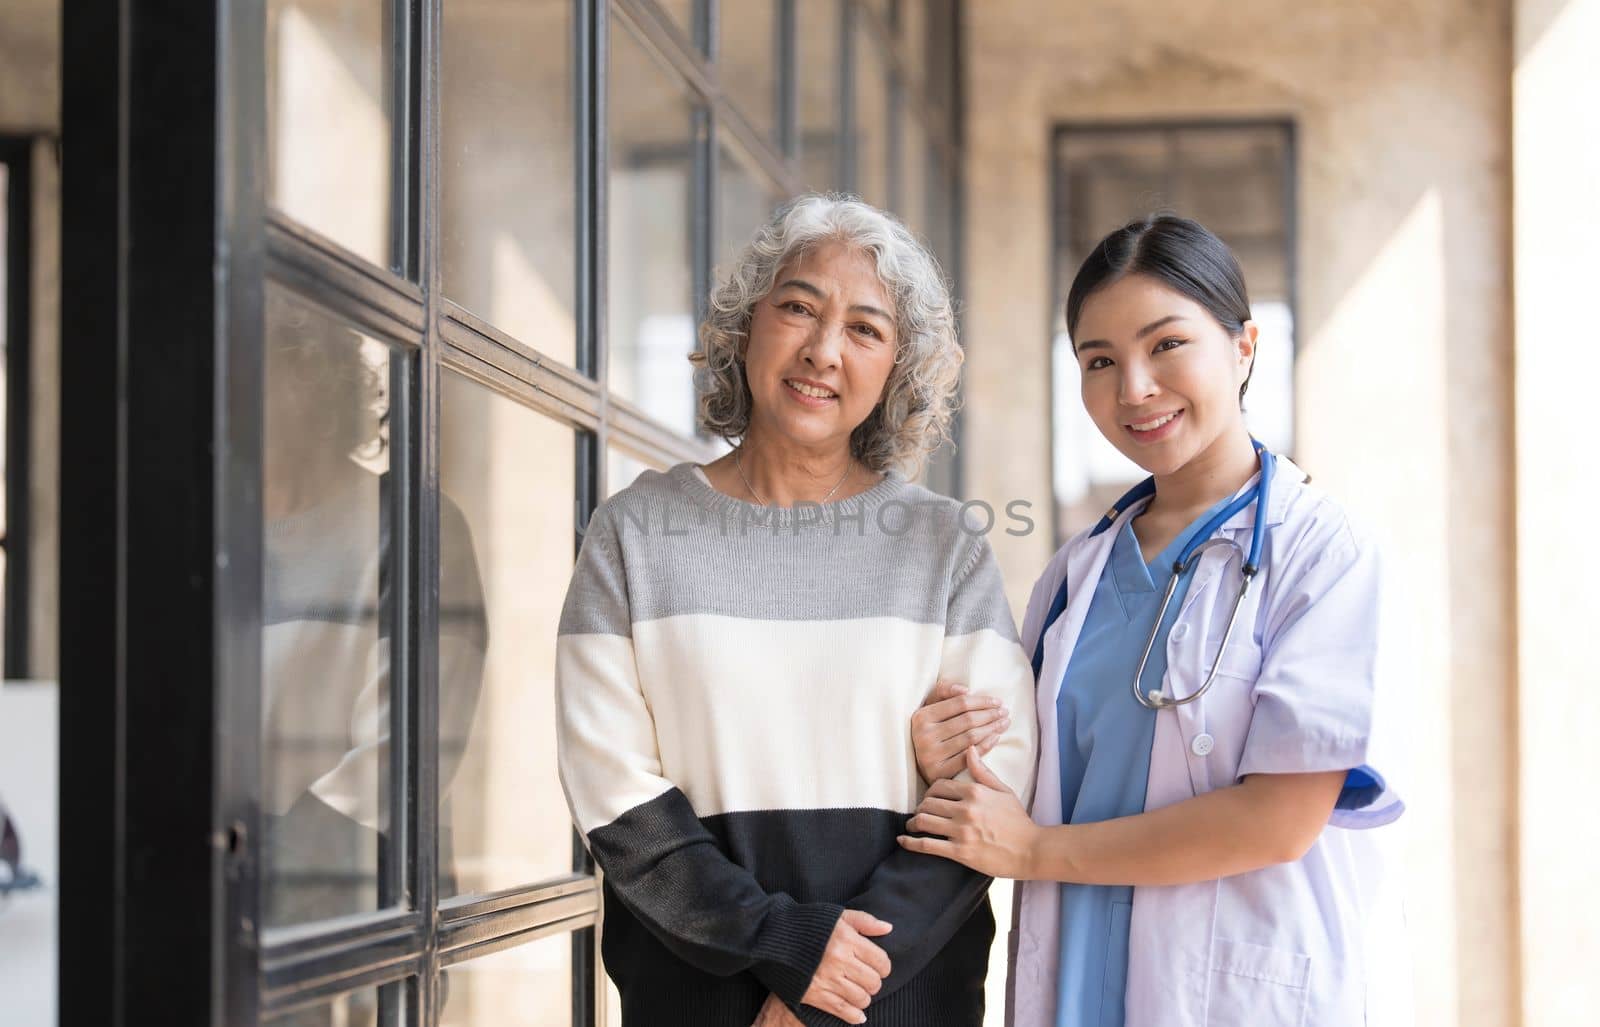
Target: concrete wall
x=1403 y=378
x=1557 y=211
x=30 y=66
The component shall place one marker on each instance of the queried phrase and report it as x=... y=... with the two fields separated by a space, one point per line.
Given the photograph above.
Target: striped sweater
x=734 y=691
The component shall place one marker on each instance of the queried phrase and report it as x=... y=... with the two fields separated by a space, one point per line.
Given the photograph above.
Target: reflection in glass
x=327 y=605
x=651 y=304
x=508 y=189
x=5 y=321
x=912 y=202
x=879 y=8
x=683 y=14
x=872 y=126
x=941 y=192
x=818 y=24
x=747 y=60
x=329 y=91
x=914 y=37
x=622 y=469
x=509 y=475
x=526 y=986
x=370 y=1007
x=744 y=202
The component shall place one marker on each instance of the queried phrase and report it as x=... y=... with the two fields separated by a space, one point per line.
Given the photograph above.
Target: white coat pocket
x=1257 y=985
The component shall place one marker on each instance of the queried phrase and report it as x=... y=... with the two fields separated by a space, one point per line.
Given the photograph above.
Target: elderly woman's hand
x=980 y=824
x=852 y=969
x=775 y=1014
x=951 y=720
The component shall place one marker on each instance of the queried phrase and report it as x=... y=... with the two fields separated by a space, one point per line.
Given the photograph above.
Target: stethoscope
x=1199 y=543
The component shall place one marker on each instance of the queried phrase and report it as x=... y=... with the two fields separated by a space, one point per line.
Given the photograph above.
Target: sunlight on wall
x=1373 y=369
x=1556 y=213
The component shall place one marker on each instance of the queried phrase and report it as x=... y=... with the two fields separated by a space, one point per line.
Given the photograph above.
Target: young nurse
x=1189 y=858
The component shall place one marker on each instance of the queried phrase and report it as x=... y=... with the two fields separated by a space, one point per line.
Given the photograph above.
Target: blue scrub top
x=1106 y=736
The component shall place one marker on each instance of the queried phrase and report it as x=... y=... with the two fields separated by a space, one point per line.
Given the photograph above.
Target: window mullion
x=422 y=740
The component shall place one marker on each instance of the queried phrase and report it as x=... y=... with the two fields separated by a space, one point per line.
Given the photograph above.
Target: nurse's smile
x=1154 y=429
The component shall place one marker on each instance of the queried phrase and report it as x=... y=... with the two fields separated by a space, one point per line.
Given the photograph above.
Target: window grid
x=405 y=304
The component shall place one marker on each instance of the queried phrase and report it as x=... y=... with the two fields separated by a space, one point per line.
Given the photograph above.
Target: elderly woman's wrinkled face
x=822 y=344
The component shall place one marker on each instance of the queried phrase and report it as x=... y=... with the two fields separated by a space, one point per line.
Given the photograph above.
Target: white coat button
x=1202 y=744
x=1179 y=632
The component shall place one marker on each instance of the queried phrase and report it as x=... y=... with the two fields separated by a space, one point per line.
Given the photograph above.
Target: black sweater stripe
x=712 y=972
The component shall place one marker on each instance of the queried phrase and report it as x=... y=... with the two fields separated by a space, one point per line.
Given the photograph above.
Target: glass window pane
x=30 y=888
x=879 y=8
x=326 y=616
x=748 y=60
x=744 y=201
x=508 y=192
x=5 y=321
x=651 y=303
x=330 y=91
x=913 y=197
x=526 y=986
x=941 y=220
x=622 y=468
x=506 y=538
x=940 y=26
x=872 y=117
x=384 y=1006
x=1234 y=177
x=682 y=13
x=914 y=37
x=817 y=27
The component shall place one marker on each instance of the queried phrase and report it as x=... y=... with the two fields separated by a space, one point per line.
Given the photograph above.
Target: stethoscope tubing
x=1202 y=540
x=1155 y=699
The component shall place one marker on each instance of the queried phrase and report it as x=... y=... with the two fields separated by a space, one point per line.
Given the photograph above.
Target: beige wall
x=1557 y=211
x=30 y=66
x=1403 y=375
x=30 y=105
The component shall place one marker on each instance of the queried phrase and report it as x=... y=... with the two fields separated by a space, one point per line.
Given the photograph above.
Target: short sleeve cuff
x=1366 y=800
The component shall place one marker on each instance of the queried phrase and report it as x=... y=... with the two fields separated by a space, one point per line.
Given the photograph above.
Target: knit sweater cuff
x=793 y=940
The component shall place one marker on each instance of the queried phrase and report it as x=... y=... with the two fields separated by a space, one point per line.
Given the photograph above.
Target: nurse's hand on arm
x=950 y=721
x=1261 y=821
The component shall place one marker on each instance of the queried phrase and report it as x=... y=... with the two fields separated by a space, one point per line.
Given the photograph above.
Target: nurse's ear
x=1245 y=355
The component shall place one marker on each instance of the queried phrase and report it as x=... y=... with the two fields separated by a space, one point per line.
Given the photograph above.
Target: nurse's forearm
x=1264 y=820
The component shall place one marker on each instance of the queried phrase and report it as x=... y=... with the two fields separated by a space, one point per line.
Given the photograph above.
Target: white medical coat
x=1295 y=693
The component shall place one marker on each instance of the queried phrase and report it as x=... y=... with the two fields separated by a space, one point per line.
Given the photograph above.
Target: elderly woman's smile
x=819 y=394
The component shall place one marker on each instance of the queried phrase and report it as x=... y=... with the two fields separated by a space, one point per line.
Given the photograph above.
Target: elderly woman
x=744 y=643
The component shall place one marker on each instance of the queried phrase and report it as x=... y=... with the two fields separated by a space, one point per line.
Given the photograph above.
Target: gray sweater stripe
x=671 y=545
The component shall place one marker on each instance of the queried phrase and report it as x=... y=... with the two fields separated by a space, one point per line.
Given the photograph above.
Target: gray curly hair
x=913 y=418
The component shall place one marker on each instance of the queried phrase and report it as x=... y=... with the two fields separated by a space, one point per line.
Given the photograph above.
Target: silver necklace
x=740 y=468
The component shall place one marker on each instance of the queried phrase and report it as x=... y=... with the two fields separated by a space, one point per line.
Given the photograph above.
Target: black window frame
x=16 y=155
